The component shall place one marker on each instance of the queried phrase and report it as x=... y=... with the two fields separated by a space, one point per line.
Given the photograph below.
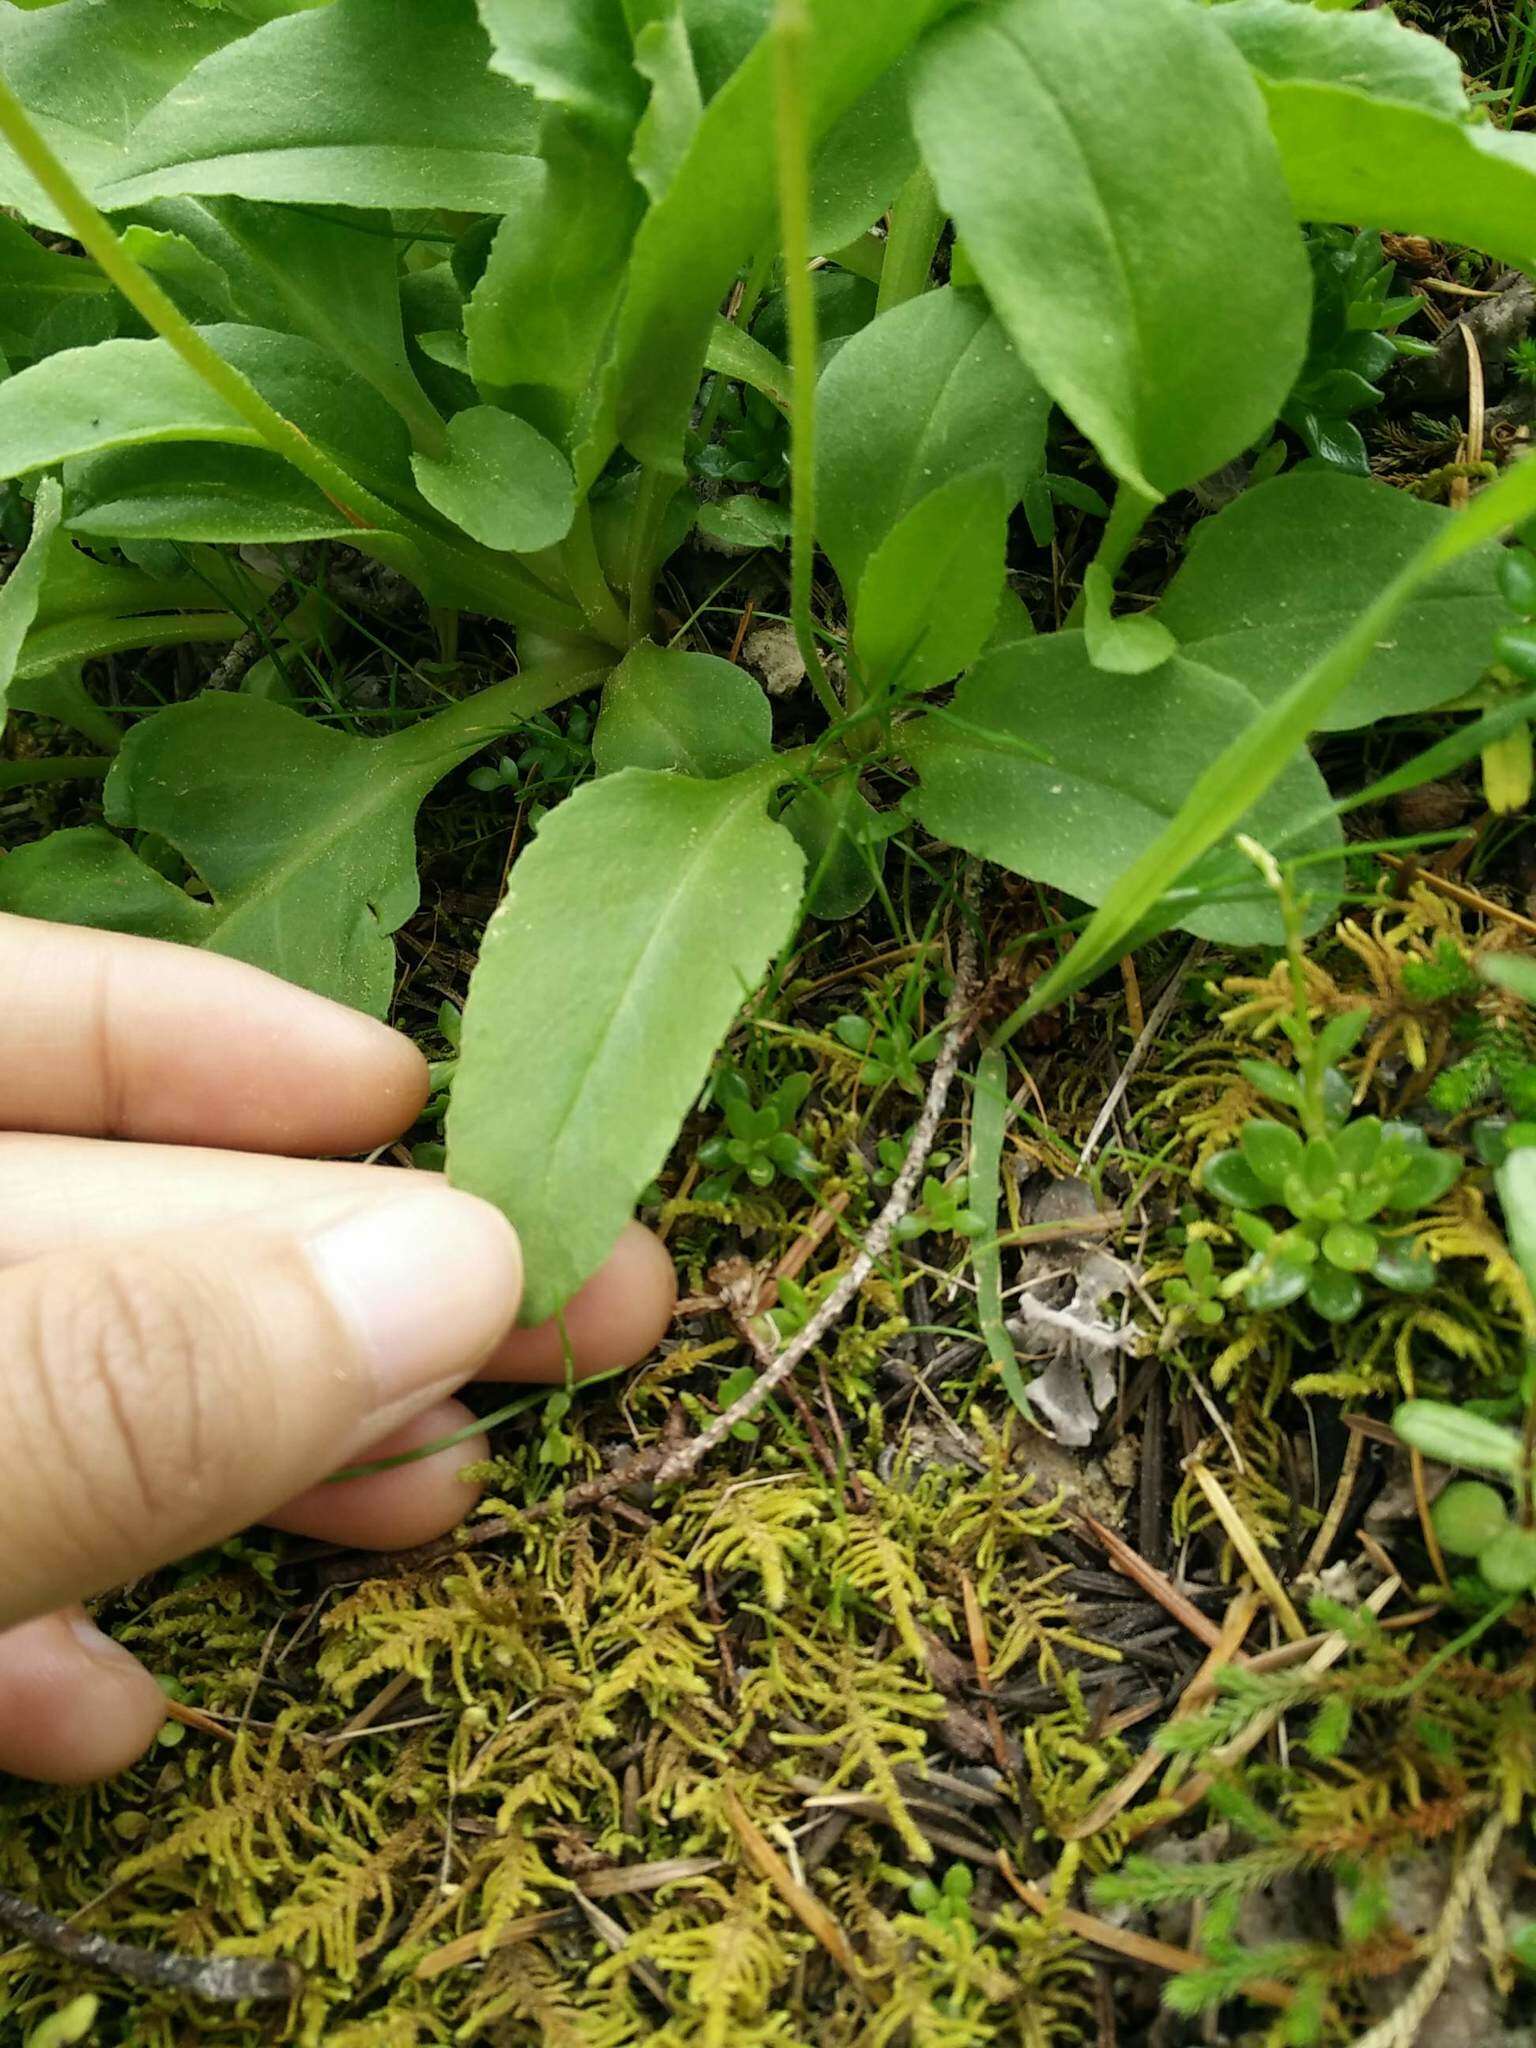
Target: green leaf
x=87 y=74
x=745 y=522
x=198 y=492
x=1272 y=1150
x=1271 y=582
x=1229 y=1177
x=693 y=713
x=359 y=103
x=302 y=835
x=539 y=319
x=929 y=392
x=1337 y=1296
x=863 y=162
x=575 y=55
x=1513 y=971
x=1406 y=1268
x=35 y=282
x=333 y=274
x=929 y=594
x=1468 y=1515
x=842 y=863
x=1351 y=1247
x=717 y=212
x=500 y=480
x=1120 y=763
x=1130 y=646
x=1429 y=1175
x=1516 y=1183
x=1367 y=134
x=88 y=875
x=1508 y=1562
x=664 y=57
x=1454 y=1437
x=645 y=909
x=1149 y=184
x=21 y=590
x=1368 y=53
x=122 y=393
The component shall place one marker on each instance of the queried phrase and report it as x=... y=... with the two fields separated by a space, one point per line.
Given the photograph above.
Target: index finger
x=103 y=1035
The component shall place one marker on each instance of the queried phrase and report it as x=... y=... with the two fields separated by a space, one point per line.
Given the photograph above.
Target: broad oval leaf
x=1271 y=582
x=1146 y=185
x=197 y=491
x=304 y=837
x=693 y=713
x=1370 y=52
x=929 y=595
x=843 y=856
x=359 y=103
x=1121 y=760
x=87 y=74
x=499 y=480
x=121 y=393
x=1368 y=129
x=648 y=906
x=931 y=391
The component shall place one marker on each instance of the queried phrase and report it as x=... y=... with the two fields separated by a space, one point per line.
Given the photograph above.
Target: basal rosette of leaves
x=444 y=280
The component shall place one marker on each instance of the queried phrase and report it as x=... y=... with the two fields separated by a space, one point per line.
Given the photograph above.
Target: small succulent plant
x=757 y=1142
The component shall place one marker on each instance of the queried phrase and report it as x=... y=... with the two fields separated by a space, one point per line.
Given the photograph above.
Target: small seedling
x=758 y=1142
x=1341 y=1178
x=1195 y=1294
x=1353 y=344
x=943 y=1208
x=889 y=1052
x=947 y=1903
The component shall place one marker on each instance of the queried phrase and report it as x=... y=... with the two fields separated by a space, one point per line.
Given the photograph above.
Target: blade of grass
x=989 y=1115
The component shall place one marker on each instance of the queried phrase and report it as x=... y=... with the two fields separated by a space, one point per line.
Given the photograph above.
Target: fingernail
x=427 y=1282
x=95 y=1644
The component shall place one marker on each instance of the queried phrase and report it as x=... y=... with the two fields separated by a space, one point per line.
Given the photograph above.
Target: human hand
x=191 y=1338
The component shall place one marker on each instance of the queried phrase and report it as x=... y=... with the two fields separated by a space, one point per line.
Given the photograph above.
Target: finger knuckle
x=129 y=1361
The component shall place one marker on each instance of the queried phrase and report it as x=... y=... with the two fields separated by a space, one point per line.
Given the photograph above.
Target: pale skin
x=204 y=1310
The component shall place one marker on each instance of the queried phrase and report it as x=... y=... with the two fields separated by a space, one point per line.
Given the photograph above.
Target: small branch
x=224 y=1980
x=679 y=1464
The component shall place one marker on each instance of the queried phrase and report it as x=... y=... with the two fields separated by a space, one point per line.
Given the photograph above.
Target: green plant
x=757 y=1142
x=1342 y=1179
x=454 y=301
x=1196 y=1292
x=1351 y=346
x=947 y=1901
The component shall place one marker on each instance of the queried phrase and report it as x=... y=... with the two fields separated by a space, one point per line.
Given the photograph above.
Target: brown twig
x=680 y=1463
x=223 y=1980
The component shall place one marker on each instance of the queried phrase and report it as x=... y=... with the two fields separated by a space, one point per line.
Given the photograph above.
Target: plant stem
x=459 y=730
x=917 y=221
x=791 y=37
x=1127 y=516
x=54 y=768
x=95 y=235
x=655 y=494
x=584 y=572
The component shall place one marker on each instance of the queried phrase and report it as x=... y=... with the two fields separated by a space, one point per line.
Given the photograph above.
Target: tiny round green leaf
x=1468 y=1515
x=500 y=480
x=1509 y=1562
